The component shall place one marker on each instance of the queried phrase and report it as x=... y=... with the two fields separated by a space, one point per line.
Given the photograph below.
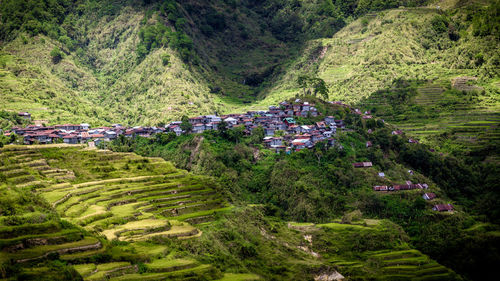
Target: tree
x=185 y=125
x=258 y=135
x=313 y=86
x=164 y=139
x=222 y=127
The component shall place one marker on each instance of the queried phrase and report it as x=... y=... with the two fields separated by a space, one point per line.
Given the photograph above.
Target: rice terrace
x=105 y=196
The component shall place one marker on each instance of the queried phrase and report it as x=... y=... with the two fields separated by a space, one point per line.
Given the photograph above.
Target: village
x=282 y=133
x=281 y=129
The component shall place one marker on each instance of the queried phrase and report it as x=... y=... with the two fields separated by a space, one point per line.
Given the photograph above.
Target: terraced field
x=385 y=263
x=99 y=211
x=471 y=118
x=396 y=265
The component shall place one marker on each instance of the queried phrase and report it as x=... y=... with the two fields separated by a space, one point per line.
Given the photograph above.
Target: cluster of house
x=438 y=207
x=410 y=186
x=281 y=118
x=398 y=187
x=282 y=133
x=362 y=164
x=78 y=133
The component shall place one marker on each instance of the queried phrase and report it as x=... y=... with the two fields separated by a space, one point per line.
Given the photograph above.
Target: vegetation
x=320 y=185
x=257 y=52
x=427 y=67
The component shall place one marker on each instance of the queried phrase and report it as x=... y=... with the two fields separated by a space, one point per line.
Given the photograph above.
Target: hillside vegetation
x=137 y=62
x=120 y=216
x=321 y=185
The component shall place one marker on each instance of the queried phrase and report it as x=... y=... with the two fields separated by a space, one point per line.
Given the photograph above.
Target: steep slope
x=425 y=43
x=71 y=213
x=147 y=62
x=431 y=71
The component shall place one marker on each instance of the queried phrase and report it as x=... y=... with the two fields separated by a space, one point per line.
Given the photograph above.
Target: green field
x=116 y=196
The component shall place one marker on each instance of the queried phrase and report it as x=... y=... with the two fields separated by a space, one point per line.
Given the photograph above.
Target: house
x=422 y=186
x=272 y=142
x=402 y=187
x=215 y=125
x=279 y=148
x=339 y=124
x=247 y=122
x=25 y=115
x=294 y=129
x=329 y=120
x=196 y=120
x=280 y=126
x=369 y=144
x=362 y=164
x=230 y=121
x=176 y=129
x=306 y=106
x=85 y=126
x=84 y=136
x=71 y=139
x=380 y=188
x=305 y=129
x=303 y=113
x=313 y=111
x=212 y=118
x=299 y=144
x=69 y=127
x=317 y=137
x=397 y=132
x=429 y=196
x=443 y=208
x=320 y=125
x=381 y=174
x=289 y=121
x=269 y=131
x=110 y=135
x=198 y=128
x=328 y=134
x=412 y=141
x=367 y=117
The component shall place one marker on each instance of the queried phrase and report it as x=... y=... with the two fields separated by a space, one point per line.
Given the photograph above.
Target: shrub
x=57 y=55
x=165 y=59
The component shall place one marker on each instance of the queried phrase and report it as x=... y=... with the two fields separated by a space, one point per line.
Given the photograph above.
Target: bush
x=165 y=59
x=57 y=55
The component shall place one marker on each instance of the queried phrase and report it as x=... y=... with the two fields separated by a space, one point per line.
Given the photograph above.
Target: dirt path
x=195 y=151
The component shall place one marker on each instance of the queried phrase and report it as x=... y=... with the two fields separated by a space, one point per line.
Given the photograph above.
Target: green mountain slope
x=407 y=43
x=153 y=61
x=431 y=71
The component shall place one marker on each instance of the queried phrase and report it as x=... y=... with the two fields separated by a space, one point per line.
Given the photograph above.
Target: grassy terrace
x=469 y=115
x=103 y=196
x=392 y=260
